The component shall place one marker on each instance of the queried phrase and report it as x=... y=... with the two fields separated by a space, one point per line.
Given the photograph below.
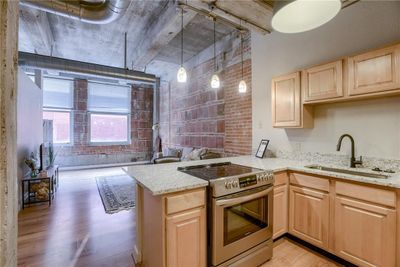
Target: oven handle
x=245 y=198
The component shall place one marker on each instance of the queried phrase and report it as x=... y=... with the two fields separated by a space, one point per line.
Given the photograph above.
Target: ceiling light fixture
x=181 y=75
x=242 y=83
x=215 y=83
x=293 y=16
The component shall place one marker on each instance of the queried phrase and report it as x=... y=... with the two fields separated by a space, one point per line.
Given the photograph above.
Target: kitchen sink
x=346 y=171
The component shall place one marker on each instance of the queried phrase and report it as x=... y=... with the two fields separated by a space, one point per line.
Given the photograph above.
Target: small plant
x=33 y=163
x=52 y=155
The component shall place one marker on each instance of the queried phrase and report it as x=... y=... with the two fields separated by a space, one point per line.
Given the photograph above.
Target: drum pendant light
x=215 y=83
x=293 y=16
x=242 y=83
x=181 y=75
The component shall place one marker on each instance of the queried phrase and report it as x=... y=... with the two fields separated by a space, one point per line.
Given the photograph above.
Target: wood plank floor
x=75 y=231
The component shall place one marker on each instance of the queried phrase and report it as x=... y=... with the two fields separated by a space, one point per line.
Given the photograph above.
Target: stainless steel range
x=240 y=205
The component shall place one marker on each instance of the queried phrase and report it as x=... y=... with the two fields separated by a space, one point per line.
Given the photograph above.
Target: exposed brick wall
x=195 y=115
x=83 y=153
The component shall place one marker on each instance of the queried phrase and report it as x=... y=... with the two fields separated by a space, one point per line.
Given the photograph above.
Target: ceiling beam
x=214 y=10
x=36 y=25
x=160 y=33
x=264 y=4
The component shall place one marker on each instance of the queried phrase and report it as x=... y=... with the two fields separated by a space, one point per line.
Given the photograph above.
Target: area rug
x=116 y=192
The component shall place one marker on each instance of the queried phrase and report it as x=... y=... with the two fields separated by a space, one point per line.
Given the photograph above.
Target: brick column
x=8 y=134
x=81 y=117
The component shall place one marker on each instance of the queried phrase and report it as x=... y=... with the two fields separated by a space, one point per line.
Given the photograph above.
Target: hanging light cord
x=241 y=48
x=182 y=40
x=215 y=55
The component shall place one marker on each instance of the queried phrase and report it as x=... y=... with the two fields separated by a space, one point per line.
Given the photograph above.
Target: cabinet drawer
x=184 y=201
x=367 y=193
x=309 y=181
x=280 y=178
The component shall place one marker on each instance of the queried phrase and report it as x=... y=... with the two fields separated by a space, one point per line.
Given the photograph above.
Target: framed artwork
x=262 y=148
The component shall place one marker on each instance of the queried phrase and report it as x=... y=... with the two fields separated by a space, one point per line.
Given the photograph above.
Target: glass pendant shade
x=181 y=75
x=215 y=83
x=293 y=16
x=242 y=87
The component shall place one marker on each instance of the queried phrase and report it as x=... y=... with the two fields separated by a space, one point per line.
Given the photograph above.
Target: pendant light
x=181 y=75
x=293 y=16
x=215 y=83
x=242 y=83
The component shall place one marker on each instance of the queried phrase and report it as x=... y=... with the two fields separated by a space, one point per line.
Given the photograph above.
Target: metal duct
x=90 y=12
x=53 y=63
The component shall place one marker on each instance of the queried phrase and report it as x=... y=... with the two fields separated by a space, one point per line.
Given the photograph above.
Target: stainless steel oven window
x=244 y=219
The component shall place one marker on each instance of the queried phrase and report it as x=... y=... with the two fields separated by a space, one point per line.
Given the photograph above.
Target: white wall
x=29 y=120
x=375 y=124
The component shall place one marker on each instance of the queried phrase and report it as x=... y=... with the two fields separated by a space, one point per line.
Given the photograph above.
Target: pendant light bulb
x=242 y=87
x=181 y=76
x=215 y=83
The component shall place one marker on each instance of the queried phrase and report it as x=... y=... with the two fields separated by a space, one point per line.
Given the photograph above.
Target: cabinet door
x=309 y=215
x=286 y=101
x=280 y=223
x=365 y=232
x=374 y=72
x=323 y=82
x=186 y=239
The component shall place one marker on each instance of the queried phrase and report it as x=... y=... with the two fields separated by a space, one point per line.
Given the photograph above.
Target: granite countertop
x=165 y=178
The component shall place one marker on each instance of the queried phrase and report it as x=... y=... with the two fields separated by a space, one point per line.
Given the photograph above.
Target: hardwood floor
x=75 y=231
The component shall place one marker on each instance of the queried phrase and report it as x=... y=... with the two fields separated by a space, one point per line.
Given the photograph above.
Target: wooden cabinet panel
x=286 y=101
x=309 y=215
x=186 y=239
x=280 y=222
x=365 y=232
x=185 y=201
x=323 y=82
x=374 y=72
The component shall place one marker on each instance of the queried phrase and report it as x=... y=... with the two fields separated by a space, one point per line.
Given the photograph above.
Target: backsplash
x=334 y=159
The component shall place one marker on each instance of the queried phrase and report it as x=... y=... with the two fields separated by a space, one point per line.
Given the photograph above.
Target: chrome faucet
x=353 y=161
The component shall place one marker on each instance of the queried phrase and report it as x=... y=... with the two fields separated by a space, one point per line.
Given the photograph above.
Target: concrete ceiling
x=153 y=32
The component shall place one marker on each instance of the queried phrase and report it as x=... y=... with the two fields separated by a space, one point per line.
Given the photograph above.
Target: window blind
x=109 y=98
x=57 y=93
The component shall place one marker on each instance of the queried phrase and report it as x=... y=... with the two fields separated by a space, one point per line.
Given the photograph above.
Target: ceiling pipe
x=36 y=61
x=95 y=13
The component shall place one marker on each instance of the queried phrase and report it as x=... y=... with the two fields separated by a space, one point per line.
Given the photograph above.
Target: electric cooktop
x=217 y=170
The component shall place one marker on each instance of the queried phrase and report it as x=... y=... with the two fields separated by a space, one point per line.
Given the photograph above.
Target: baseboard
x=88 y=167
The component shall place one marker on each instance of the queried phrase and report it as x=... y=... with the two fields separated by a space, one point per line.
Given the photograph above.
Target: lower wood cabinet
x=309 y=215
x=185 y=237
x=280 y=222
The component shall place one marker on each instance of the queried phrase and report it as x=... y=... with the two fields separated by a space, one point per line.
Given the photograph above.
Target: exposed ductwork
x=59 y=64
x=91 y=12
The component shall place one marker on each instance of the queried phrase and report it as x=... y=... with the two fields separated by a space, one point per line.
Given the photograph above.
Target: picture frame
x=262 y=148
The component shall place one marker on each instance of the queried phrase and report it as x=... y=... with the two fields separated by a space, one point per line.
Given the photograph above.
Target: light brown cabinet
x=374 y=72
x=287 y=108
x=280 y=221
x=323 y=81
x=365 y=230
x=185 y=237
x=309 y=215
x=171 y=229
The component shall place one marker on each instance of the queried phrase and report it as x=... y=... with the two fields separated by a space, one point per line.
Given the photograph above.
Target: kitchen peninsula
x=351 y=216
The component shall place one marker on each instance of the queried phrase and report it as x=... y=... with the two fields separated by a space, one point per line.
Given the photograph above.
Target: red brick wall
x=141 y=123
x=195 y=115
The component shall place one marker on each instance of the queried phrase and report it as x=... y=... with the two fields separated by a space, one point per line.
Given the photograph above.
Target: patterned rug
x=116 y=192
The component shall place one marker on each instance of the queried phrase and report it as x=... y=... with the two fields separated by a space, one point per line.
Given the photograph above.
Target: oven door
x=240 y=222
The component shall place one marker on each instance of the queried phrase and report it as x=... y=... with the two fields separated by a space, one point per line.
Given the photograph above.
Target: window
x=110 y=108
x=57 y=106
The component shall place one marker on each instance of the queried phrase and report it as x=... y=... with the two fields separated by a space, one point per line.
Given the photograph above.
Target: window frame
x=71 y=125
x=109 y=143
x=62 y=109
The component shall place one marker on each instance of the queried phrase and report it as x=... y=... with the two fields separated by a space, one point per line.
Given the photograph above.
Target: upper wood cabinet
x=287 y=109
x=323 y=82
x=374 y=72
